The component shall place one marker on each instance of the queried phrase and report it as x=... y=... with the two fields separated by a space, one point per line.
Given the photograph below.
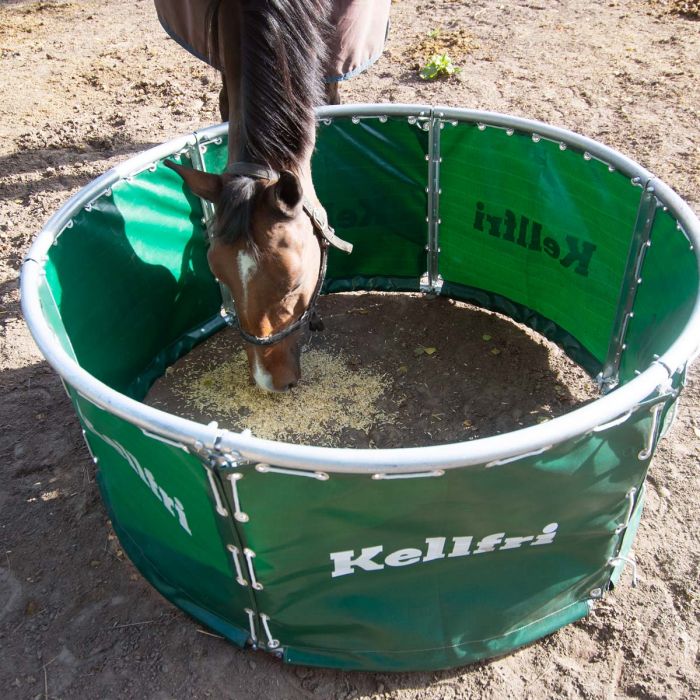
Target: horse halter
x=326 y=238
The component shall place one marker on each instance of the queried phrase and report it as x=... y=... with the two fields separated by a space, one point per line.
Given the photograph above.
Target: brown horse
x=271 y=233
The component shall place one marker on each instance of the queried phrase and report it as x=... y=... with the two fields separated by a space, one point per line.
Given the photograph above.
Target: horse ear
x=205 y=185
x=287 y=193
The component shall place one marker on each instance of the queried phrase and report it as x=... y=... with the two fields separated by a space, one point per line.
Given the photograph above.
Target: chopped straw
x=331 y=397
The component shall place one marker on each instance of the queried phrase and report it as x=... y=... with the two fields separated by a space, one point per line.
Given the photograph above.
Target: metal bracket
x=632 y=278
x=431 y=281
x=214 y=462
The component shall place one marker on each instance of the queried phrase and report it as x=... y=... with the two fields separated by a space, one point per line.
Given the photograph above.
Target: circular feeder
x=398 y=559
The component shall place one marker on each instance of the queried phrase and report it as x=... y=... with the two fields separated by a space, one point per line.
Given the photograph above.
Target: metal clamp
x=515 y=458
x=251 y=624
x=384 y=476
x=630 y=496
x=238 y=514
x=656 y=410
x=220 y=509
x=612 y=423
x=271 y=642
x=249 y=556
x=615 y=561
x=236 y=562
x=267 y=469
x=431 y=282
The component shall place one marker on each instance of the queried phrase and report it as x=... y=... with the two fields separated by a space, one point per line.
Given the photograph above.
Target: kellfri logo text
x=372 y=558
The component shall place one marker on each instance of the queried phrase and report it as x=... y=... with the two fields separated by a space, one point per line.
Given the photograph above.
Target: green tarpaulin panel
x=347 y=570
x=541 y=226
x=483 y=558
x=665 y=297
x=161 y=506
x=371 y=178
x=130 y=275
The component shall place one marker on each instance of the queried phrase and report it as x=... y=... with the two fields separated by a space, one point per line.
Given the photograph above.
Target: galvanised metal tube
x=403 y=460
x=552 y=133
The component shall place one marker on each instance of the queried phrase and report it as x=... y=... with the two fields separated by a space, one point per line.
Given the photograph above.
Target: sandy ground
x=86 y=84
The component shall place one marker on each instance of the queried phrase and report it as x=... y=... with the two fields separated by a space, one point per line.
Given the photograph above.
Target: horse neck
x=229 y=26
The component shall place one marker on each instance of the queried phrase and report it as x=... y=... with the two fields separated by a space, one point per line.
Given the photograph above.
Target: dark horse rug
x=360 y=29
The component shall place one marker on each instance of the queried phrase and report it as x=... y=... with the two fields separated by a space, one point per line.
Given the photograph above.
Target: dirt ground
x=86 y=84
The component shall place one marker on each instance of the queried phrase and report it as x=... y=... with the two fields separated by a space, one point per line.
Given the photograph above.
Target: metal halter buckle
x=319 y=217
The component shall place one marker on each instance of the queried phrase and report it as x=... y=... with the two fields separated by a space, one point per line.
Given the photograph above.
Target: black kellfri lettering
x=578 y=253
x=581 y=256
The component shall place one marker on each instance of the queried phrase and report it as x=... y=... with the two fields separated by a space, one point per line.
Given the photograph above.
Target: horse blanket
x=360 y=30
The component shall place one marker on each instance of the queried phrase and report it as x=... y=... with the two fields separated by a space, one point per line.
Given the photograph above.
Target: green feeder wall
x=398 y=559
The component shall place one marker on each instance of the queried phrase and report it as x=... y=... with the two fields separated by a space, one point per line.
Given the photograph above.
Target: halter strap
x=318 y=215
x=326 y=237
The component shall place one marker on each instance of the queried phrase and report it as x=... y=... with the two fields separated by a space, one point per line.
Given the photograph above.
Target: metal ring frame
x=247 y=447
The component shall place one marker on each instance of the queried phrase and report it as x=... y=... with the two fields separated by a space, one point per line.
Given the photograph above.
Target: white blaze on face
x=246 y=269
x=261 y=376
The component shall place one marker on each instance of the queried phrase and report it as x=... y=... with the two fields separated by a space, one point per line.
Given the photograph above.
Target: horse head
x=269 y=249
x=271 y=236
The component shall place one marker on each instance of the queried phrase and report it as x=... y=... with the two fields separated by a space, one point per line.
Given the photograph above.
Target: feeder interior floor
x=390 y=370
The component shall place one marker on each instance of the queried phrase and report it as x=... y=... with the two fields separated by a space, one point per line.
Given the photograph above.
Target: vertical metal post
x=431 y=281
x=640 y=243
x=195 y=151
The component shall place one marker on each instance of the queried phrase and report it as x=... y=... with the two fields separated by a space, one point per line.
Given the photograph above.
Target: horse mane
x=282 y=46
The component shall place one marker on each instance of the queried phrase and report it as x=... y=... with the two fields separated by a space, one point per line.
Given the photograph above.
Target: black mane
x=282 y=61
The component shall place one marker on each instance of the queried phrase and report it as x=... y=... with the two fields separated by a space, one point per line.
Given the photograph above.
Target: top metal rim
x=400 y=460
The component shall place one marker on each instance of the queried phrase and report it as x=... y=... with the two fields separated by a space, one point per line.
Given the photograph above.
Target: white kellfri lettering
x=488 y=543
x=548 y=537
x=515 y=542
x=172 y=505
x=460 y=546
x=345 y=563
x=403 y=557
x=436 y=548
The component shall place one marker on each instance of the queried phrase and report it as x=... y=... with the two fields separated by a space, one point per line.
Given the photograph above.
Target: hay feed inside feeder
x=390 y=370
